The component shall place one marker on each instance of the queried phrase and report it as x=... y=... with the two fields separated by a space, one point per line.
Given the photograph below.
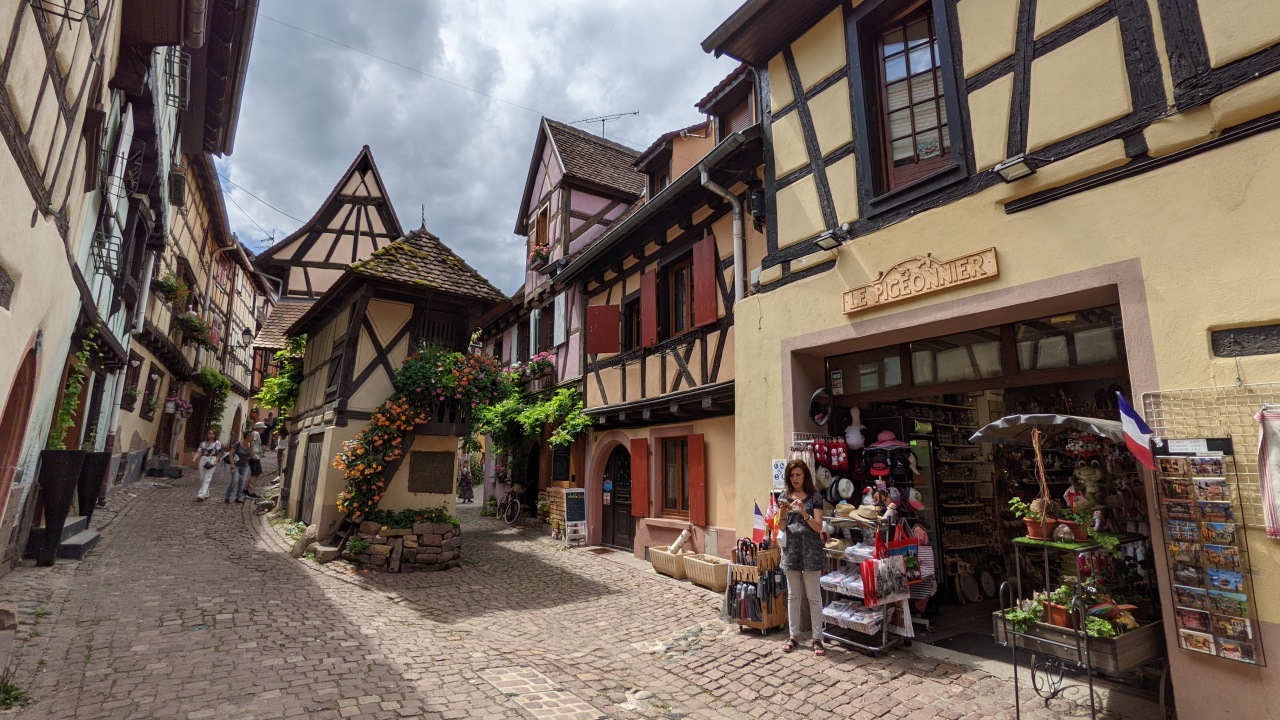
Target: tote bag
x=908 y=548
x=888 y=581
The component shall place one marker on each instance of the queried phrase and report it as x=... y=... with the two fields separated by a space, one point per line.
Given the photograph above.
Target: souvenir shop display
x=866 y=586
x=756 y=596
x=1206 y=550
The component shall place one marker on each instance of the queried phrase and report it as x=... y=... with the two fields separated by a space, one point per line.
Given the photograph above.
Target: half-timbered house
x=987 y=202
x=661 y=287
x=375 y=313
x=578 y=185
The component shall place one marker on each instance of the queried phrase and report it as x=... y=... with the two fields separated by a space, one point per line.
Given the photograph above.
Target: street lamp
x=246 y=337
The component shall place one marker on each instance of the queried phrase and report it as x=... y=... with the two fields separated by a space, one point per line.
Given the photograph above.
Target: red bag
x=908 y=546
x=868 y=582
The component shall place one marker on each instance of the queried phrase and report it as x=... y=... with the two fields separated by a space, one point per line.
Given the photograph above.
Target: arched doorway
x=13 y=424
x=237 y=425
x=618 y=527
x=532 y=470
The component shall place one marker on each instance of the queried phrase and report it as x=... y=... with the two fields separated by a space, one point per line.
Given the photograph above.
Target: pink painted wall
x=584 y=202
x=593 y=233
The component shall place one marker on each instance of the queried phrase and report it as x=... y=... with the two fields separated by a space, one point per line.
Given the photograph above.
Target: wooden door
x=291 y=457
x=311 y=476
x=13 y=424
x=198 y=423
x=618 y=527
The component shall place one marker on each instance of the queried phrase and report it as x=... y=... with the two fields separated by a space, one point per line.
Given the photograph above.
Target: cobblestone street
x=190 y=610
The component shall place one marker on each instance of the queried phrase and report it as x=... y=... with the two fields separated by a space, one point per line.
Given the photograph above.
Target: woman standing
x=240 y=454
x=206 y=461
x=802 y=555
x=465 y=491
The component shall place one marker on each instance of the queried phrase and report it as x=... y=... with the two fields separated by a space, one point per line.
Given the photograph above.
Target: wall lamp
x=1015 y=168
x=832 y=239
x=246 y=337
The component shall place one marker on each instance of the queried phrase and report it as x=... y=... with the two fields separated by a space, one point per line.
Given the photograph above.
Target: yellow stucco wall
x=819 y=52
x=1234 y=29
x=1077 y=87
x=398 y=496
x=989 y=28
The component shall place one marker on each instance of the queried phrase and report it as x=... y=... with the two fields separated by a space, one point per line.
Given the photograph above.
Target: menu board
x=575 y=505
x=1214 y=605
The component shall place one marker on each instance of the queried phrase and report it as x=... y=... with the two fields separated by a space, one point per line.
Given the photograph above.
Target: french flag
x=757 y=526
x=1137 y=434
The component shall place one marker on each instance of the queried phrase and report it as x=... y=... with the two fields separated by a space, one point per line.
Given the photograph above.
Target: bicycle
x=509 y=506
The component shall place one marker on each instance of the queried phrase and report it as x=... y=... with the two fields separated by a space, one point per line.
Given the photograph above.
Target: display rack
x=773 y=612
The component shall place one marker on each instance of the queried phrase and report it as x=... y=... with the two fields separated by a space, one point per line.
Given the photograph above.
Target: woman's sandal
x=819 y=649
x=790 y=645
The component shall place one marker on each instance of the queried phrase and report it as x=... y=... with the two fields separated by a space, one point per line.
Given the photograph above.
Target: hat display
x=845 y=510
x=868 y=512
x=845 y=488
x=915 y=499
x=822 y=478
x=895 y=496
x=886 y=438
x=837 y=544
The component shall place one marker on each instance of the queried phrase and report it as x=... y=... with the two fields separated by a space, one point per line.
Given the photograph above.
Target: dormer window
x=658 y=181
x=738 y=118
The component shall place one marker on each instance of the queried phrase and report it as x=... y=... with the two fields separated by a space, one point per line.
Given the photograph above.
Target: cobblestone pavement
x=195 y=610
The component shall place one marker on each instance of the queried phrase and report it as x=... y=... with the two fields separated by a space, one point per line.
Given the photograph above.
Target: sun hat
x=822 y=479
x=845 y=488
x=837 y=544
x=887 y=438
x=260 y=426
x=868 y=512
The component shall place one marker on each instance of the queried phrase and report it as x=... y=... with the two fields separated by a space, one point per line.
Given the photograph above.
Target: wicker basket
x=666 y=563
x=708 y=571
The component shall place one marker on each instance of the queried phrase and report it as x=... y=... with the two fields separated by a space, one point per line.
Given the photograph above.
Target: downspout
x=208 y=290
x=739 y=254
x=140 y=316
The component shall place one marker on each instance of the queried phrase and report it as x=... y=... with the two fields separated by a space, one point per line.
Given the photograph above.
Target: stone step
x=79 y=545
x=74 y=526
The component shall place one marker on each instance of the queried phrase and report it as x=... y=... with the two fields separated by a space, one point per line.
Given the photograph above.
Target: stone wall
x=425 y=546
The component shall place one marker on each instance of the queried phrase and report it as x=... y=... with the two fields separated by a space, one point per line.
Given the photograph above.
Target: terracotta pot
x=1040 y=529
x=1080 y=532
x=1059 y=615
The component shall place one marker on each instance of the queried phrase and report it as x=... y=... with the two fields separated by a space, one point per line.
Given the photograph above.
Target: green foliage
x=1109 y=542
x=217 y=386
x=563 y=411
x=1061 y=595
x=433 y=374
x=151 y=405
x=357 y=545
x=195 y=329
x=1022 y=620
x=1097 y=627
x=281 y=391
x=76 y=378
x=1019 y=508
x=10 y=693
x=409 y=518
x=172 y=290
x=295 y=530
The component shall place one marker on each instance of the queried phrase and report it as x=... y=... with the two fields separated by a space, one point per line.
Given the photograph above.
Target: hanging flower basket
x=174 y=405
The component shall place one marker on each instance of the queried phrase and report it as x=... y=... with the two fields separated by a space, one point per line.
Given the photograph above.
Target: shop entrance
x=617 y=528
x=532 y=471
x=13 y=424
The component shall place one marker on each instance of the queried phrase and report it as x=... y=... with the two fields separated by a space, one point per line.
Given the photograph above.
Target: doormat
x=985 y=647
x=599 y=551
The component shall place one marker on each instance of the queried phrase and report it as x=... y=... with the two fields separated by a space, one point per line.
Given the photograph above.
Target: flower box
x=671 y=565
x=1112 y=656
x=708 y=571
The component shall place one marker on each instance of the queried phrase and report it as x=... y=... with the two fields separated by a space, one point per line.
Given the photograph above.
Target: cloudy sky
x=310 y=104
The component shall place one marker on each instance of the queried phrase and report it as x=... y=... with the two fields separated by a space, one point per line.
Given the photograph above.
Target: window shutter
x=603 y=325
x=706 y=265
x=649 y=308
x=640 y=477
x=560 y=332
x=533 y=332
x=697 y=480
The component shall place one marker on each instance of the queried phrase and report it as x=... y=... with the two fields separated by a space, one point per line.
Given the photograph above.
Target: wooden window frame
x=678 y=446
x=152 y=387
x=632 y=336
x=893 y=177
x=866 y=102
x=546 y=328
x=521 y=353
x=659 y=180
x=667 y=295
x=333 y=373
x=131 y=377
x=497 y=348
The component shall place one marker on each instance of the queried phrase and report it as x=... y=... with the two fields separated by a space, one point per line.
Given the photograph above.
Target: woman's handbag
x=227 y=458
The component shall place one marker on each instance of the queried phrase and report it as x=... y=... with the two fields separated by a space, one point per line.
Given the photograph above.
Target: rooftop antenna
x=604 y=119
x=424 y=216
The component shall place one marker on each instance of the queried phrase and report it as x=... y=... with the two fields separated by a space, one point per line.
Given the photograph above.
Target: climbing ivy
x=76 y=378
x=281 y=391
x=217 y=386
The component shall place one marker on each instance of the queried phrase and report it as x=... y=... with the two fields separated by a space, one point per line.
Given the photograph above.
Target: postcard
x=1189 y=619
x=1191 y=597
x=1189 y=575
x=1236 y=650
x=1180 y=509
x=1222 y=556
x=1207 y=465
x=1218 y=533
x=1178 y=489
x=1212 y=488
x=1184 y=552
x=1174 y=466
x=1197 y=641
x=1228 y=603
x=1226 y=580
x=1235 y=628
x=1183 y=530
x=1216 y=511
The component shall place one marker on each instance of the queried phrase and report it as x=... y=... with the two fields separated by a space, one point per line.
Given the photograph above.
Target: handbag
x=227 y=458
x=908 y=548
x=208 y=464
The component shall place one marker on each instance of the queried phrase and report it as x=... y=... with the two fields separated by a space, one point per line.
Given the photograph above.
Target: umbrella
x=1017 y=429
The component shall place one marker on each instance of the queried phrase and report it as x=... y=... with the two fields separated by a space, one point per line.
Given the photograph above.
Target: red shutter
x=604 y=329
x=649 y=308
x=640 y=477
x=706 y=266
x=697 y=480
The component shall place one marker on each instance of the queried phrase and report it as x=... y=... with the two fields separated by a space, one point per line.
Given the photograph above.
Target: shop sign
x=779 y=475
x=922 y=275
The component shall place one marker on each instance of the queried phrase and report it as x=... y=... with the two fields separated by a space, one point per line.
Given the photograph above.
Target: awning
x=1016 y=429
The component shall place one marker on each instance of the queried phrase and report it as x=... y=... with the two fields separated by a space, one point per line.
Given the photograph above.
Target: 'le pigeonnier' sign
x=922 y=275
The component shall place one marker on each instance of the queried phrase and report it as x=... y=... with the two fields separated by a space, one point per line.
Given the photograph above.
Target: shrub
x=357 y=546
x=408 y=518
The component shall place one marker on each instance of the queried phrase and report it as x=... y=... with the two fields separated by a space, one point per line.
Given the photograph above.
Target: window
x=679 y=296
x=497 y=349
x=913 y=114
x=334 y=370
x=541 y=232
x=131 y=377
x=522 y=343
x=737 y=119
x=1088 y=337
x=546 y=321
x=865 y=371
x=631 y=338
x=963 y=356
x=675 y=477
x=153 y=387
x=659 y=180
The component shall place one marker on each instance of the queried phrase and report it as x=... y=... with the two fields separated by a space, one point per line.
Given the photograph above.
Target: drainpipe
x=739 y=255
x=140 y=315
x=208 y=290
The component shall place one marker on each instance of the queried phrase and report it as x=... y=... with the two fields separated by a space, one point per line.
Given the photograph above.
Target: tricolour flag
x=1137 y=434
x=757 y=526
x=771 y=515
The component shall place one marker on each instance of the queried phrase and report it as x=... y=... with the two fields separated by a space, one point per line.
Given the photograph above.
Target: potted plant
x=1078 y=519
x=129 y=396
x=174 y=405
x=171 y=289
x=539 y=256
x=1038 y=516
x=1057 y=607
x=151 y=405
x=195 y=329
x=60 y=468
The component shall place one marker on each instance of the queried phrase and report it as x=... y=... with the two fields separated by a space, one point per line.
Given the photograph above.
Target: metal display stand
x=863 y=641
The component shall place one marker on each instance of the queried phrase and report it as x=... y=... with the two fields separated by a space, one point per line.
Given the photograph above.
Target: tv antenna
x=604 y=119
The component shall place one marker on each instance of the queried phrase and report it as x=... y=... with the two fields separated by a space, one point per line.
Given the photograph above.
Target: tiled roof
x=721 y=86
x=665 y=139
x=594 y=159
x=285 y=314
x=421 y=260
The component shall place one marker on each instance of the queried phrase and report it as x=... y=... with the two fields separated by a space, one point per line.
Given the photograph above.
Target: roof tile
x=594 y=159
x=285 y=314
x=421 y=260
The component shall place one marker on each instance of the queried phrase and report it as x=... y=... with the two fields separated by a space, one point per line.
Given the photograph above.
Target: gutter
x=691 y=178
x=730 y=27
x=738 y=250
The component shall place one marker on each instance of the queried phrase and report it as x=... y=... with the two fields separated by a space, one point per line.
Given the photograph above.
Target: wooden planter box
x=708 y=571
x=666 y=563
x=1112 y=656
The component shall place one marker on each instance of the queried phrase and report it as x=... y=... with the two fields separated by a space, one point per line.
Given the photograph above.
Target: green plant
x=1023 y=620
x=172 y=289
x=281 y=392
x=10 y=693
x=130 y=394
x=1097 y=627
x=195 y=329
x=1108 y=541
x=76 y=377
x=357 y=546
x=563 y=411
x=295 y=530
x=151 y=405
x=409 y=518
x=1019 y=508
x=1062 y=595
x=217 y=386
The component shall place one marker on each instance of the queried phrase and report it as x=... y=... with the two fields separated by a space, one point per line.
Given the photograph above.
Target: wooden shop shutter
x=649 y=308
x=640 y=477
x=706 y=266
x=604 y=324
x=697 y=480
x=560 y=326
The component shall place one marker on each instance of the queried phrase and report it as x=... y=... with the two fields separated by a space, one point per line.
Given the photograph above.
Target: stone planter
x=59 y=477
x=90 y=481
x=424 y=547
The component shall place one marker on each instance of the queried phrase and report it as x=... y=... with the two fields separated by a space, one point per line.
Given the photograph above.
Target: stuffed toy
x=1090 y=477
x=853 y=434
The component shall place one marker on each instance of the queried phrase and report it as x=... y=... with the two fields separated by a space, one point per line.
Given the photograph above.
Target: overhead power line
x=255 y=197
x=270 y=236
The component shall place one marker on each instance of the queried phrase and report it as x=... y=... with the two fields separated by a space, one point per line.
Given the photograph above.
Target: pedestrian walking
x=802 y=554
x=239 y=459
x=206 y=461
x=282 y=444
x=255 y=460
x=466 y=492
